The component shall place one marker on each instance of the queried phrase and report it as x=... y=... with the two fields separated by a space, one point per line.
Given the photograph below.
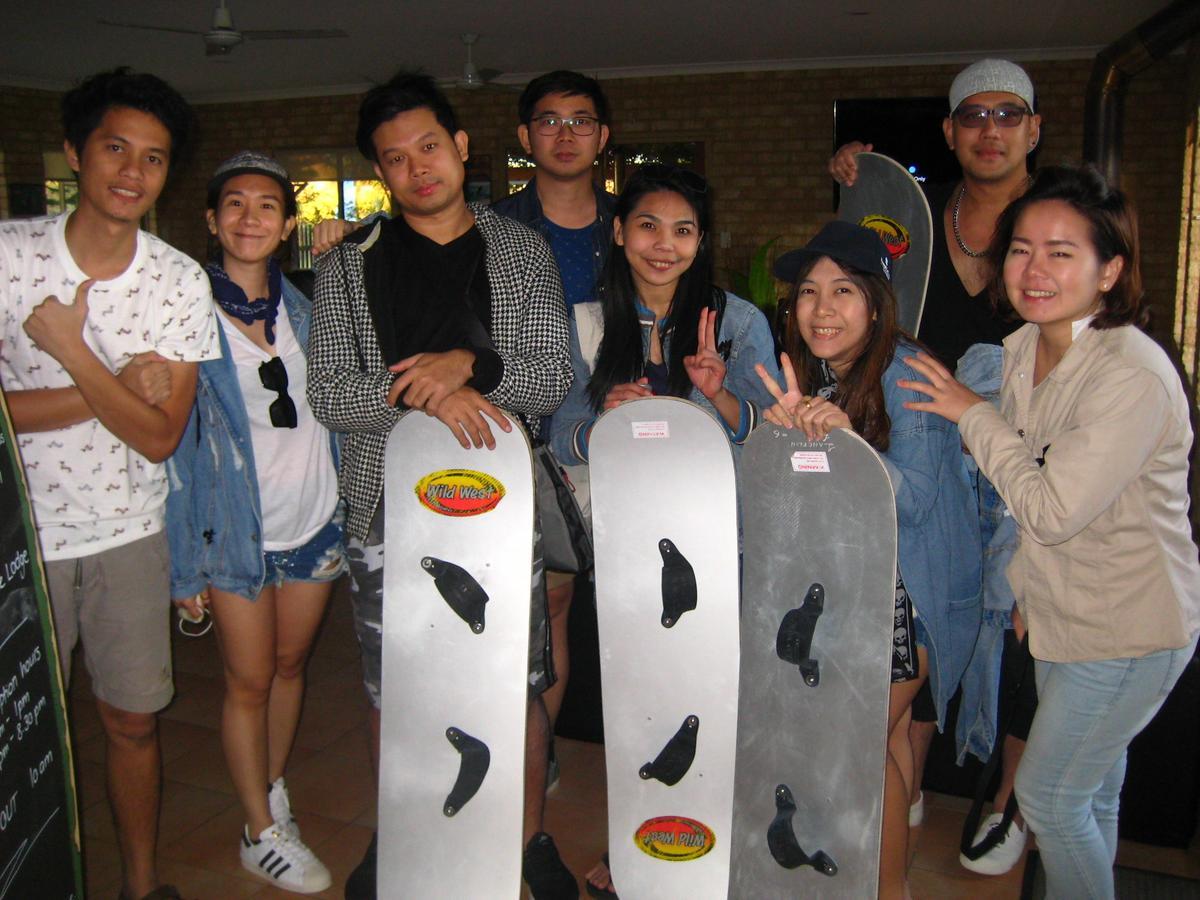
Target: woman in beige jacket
x=1090 y=452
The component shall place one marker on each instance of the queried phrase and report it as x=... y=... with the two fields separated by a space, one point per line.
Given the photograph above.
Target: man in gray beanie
x=991 y=129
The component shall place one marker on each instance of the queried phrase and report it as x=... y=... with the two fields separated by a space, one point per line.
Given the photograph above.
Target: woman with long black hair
x=661 y=326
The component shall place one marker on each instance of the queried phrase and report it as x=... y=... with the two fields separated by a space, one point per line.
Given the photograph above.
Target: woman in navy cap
x=253 y=517
x=844 y=354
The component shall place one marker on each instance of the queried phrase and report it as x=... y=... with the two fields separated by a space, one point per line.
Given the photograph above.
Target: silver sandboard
x=813 y=514
x=886 y=198
x=662 y=468
x=474 y=509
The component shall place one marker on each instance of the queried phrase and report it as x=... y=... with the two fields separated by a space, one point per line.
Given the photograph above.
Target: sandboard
x=457 y=570
x=664 y=518
x=819 y=573
x=887 y=199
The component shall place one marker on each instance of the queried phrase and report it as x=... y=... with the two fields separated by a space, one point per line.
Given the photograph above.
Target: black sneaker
x=544 y=872
x=361 y=883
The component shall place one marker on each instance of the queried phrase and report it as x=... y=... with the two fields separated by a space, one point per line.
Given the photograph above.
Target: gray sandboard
x=440 y=673
x=814 y=513
x=886 y=198
x=663 y=468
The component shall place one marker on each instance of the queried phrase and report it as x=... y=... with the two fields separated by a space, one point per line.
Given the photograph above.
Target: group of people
x=231 y=457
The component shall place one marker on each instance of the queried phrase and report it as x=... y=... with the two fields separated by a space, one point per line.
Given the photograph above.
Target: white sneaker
x=282 y=860
x=916 y=812
x=1004 y=855
x=281 y=807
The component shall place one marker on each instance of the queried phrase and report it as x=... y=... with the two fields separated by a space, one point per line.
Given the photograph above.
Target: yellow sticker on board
x=459 y=492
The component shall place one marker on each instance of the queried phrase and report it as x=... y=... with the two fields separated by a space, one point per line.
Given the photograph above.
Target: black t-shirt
x=446 y=282
x=953 y=320
x=427 y=297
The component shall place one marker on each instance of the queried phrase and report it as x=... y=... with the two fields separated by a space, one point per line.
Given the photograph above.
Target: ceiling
x=52 y=43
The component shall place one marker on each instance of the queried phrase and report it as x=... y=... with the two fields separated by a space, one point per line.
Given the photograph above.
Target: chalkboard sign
x=39 y=822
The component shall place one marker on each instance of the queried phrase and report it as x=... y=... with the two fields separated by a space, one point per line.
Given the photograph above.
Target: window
x=60 y=187
x=617 y=163
x=330 y=184
x=622 y=160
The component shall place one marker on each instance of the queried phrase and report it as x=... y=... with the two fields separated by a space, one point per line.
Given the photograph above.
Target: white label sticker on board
x=810 y=461
x=651 y=430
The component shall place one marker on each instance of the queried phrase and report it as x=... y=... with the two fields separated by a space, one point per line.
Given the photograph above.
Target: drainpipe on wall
x=1115 y=65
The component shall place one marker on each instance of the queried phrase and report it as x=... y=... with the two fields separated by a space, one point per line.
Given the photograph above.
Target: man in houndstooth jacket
x=454 y=310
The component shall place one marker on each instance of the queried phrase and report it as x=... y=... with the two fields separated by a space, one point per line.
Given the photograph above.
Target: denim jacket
x=743 y=327
x=214 y=520
x=980 y=370
x=524 y=206
x=938 y=530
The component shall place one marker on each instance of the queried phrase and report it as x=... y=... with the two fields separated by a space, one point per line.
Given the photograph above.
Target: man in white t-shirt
x=101 y=329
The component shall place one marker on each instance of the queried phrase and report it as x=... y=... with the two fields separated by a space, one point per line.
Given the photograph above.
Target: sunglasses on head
x=274 y=377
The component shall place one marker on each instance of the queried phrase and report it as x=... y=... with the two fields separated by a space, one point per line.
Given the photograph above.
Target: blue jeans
x=1069 y=781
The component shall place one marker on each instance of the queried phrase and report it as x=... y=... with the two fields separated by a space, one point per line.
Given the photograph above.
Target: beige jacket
x=1106 y=566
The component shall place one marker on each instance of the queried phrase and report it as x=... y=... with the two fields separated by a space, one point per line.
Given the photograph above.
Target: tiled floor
x=331 y=787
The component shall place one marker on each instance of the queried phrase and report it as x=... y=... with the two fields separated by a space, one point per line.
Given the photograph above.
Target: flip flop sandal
x=599 y=892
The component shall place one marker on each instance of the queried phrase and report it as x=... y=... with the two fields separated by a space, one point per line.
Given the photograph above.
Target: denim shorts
x=321 y=558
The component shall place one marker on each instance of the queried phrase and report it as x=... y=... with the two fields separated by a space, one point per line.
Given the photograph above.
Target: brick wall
x=767 y=137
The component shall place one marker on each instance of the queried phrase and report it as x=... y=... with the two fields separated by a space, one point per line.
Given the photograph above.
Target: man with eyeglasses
x=992 y=128
x=564 y=128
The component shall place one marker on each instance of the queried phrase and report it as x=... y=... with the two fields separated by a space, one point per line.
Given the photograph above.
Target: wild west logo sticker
x=459 y=492
x=894 y=235
x=674 y=838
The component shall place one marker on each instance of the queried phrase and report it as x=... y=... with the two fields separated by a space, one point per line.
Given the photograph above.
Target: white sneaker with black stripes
x=284 y=861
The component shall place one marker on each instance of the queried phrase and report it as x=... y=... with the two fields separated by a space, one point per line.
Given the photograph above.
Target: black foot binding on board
x=793 y=644
x=461 y=592
x=678 y=583
x=782 y=840
x=472 y=767
x=676 y=757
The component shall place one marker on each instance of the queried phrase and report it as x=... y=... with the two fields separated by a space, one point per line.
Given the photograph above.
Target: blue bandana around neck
x=231 y=298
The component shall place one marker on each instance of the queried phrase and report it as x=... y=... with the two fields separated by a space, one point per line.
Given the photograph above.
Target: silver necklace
x=974 y=254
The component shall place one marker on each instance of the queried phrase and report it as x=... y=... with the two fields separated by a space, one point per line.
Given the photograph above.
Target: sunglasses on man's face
x=1003 y=116
x=274 y=377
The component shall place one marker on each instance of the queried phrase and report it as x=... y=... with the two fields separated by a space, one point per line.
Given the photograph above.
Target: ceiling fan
x=222 y=37
x=472 y=78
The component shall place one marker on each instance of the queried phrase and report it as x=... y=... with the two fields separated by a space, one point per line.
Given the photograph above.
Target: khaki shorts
x=118 y=602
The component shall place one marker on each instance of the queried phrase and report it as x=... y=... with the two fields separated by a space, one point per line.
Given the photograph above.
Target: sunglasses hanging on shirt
x=274 y=377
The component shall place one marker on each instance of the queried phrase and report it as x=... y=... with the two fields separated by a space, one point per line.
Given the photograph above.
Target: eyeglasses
x=1003 y=116
x=273 y=376
x=552 y=125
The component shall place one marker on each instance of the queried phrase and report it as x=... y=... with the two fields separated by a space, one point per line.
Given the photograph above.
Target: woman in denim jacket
x=253 y=517
x=661 y=327
x=848 y=349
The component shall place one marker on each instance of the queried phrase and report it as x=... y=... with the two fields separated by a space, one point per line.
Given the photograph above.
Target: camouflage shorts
x=366 y=597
